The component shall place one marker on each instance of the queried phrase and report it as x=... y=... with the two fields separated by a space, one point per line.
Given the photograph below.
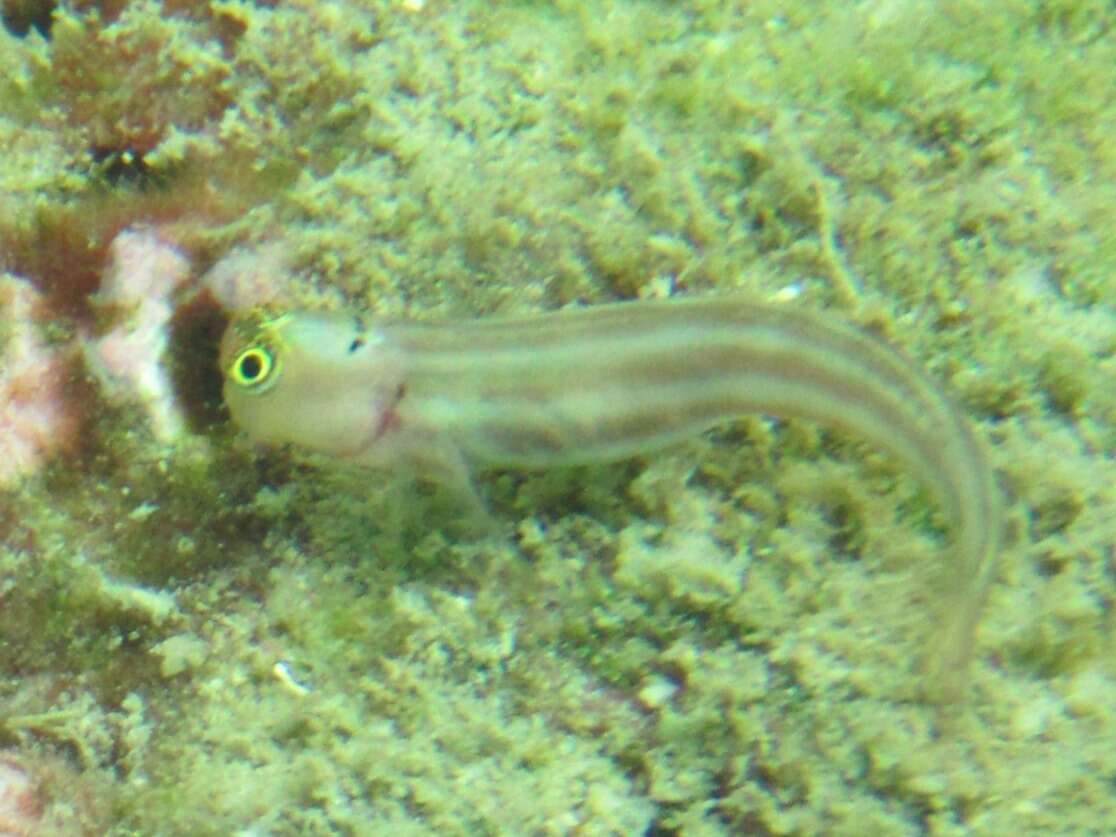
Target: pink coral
x=35 y=420
x=250 y=276
x=137 y=291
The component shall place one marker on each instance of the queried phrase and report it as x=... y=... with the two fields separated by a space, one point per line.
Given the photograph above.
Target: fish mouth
x=386 y=420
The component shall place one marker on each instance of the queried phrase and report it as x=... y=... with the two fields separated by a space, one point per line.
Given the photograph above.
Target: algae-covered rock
x=198 y=637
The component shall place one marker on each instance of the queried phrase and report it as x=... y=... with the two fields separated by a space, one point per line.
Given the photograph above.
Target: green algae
x=723 y=638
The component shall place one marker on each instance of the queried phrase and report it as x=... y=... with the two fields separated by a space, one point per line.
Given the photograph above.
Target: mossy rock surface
x=203 y=638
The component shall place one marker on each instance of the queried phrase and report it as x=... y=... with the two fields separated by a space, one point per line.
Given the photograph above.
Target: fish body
x=605 y=383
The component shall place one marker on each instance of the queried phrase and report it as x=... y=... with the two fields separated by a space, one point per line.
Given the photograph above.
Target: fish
x=444 y=400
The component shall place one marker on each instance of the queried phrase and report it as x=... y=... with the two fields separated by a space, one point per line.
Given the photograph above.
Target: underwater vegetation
x=201 y=637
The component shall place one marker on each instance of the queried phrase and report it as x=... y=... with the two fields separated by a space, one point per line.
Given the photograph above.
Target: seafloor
x=197 y=637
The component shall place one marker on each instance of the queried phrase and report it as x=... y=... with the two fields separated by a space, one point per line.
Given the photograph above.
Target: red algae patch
x=21 y=806
x=35 y=419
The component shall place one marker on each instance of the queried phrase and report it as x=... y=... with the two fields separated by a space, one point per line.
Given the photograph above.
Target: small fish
x=604 y=383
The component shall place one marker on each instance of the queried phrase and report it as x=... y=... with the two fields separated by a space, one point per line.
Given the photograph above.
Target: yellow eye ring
x=253 y=367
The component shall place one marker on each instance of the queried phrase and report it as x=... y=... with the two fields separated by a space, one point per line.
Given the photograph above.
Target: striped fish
x=609 y=382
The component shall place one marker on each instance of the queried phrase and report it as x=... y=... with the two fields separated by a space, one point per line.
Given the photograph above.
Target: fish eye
x=252 y=367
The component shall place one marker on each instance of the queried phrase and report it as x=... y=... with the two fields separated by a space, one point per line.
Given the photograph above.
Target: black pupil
x=250 y=367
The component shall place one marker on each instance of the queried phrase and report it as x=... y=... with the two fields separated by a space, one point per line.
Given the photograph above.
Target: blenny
x=608 y=382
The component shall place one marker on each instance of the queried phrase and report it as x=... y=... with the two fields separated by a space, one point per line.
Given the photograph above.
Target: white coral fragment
x=137 y=289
